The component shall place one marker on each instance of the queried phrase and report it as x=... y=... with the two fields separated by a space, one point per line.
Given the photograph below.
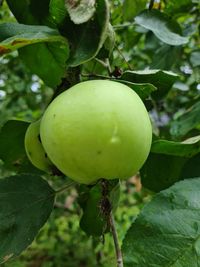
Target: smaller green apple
x=34 y=148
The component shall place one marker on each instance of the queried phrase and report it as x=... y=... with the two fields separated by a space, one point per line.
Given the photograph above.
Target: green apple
x=34 y=148
x=97 y=129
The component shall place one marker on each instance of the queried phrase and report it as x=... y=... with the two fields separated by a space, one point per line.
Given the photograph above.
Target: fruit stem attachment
x=116 y=240
x=67 y=186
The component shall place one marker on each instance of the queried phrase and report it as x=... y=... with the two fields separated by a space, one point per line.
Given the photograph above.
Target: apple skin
x=97 y=129
x=34 y=148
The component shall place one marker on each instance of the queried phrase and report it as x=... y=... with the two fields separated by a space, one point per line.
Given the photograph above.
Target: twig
x=116 y=240
x=59 y=205
x=68 y=185
x=122 y=26
x=108 y=66
x=105 y=64
x=122 y=55
x=95 y=76
x=151 y=4
x=106 y=209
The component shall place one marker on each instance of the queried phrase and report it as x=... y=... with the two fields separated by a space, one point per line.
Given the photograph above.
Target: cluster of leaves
x=153 y=47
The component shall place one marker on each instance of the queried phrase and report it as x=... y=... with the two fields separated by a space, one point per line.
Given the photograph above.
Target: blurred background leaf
x=162 y=26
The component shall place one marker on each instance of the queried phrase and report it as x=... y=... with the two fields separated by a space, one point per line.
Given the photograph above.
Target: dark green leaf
x=170 y=162
x=167 y=231
x=80 y=11
x=37 y=57
x=88 y=38
x=161 y=171
x=12 y=150
x=32 y=12
x=26 y=202
x=109 y=43
x=48 y=61
x=14 y=36
x=164 y=57
x=187 y=148
x=162 y=26
x=132 y=8
x=93 y=221
x=171 y=169
x=187 y=121
x=57 y=11
x=191 y=168
x=12 y=141
x=162 y=80
x=173 y=6
x=144 y=90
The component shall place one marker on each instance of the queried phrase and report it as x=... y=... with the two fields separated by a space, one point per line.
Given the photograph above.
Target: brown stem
x=151 y=4
x=107 y=212
x=116 y=240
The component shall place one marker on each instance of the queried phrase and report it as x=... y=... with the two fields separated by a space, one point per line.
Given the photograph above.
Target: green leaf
x=171 y=169
x=88 y=38
x=188 y=121
x=187 y=148
x=37 y=56
x=195 y=58
x=12 y=150
x=57 y=11
x=26 y=202
x=191 y=168
x=93 y=221
x=162 y=80
x=54 y=54
x=12 y=141
x=163 y=57
x=32 y=12
x=162 y=26
x=175 y=7
x=176 y=160
x=80 y=11
x=47 y=61
x=144 y=90
x=167 y=231
x=85 y=39
x=14 y=36
x=108 y=46
x=161 y=171
x=132 y=8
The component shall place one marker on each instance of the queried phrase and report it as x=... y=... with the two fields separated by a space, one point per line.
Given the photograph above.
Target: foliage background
x=24 y=95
